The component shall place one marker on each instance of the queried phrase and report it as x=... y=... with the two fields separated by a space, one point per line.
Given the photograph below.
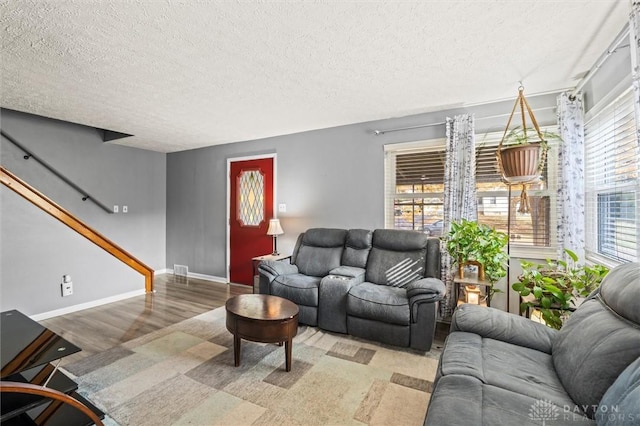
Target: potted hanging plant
x=524 y=154
x=554 y=286
x=469 y=242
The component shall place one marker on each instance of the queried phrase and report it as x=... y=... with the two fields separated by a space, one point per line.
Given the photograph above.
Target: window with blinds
x=612 y=184
x=414 y=184
x=414 y=192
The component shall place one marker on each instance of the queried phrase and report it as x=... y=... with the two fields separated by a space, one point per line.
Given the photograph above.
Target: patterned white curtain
x=460 y=201
x=571 y=197
x=634 y=36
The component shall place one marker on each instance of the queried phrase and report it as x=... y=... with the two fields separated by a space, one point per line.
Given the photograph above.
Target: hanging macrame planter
x=522 y=160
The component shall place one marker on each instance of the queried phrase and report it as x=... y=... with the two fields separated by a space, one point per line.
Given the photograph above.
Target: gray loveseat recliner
x=382 y=285
x=500 y=368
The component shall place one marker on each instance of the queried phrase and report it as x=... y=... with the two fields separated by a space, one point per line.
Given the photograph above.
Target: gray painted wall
x=615 y=71
x=36 y=249
x=327 y=178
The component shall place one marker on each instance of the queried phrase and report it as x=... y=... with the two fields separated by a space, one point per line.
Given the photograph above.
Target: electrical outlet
x=67 y=289
x=125 y=209
x=115 y=209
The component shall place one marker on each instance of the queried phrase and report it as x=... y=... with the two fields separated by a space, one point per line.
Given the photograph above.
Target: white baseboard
x=207 y=277
x=195 y=275
x=87 y=305
x=202 y=276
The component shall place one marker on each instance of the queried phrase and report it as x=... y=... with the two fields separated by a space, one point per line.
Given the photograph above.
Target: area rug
x=184 y=375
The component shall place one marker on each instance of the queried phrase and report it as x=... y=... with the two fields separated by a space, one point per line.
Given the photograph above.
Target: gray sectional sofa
x=500 y=368
x=380 y=285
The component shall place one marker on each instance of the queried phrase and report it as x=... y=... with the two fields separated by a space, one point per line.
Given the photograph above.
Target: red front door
x=251 y=207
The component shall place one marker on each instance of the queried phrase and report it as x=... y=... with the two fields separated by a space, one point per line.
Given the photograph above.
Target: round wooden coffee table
x=262 y=318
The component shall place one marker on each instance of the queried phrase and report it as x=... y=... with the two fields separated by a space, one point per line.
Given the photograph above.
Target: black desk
x=27 y=351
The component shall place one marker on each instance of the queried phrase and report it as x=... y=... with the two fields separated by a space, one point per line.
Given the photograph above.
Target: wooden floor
x=175 y=299
x=98 y=329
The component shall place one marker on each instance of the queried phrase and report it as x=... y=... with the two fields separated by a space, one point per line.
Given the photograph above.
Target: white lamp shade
x=274 y=227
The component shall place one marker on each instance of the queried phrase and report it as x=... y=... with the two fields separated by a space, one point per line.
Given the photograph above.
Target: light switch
x=282 y=208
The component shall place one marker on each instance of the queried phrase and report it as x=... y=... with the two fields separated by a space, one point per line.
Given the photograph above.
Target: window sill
x=595 y=258
x=531 y=252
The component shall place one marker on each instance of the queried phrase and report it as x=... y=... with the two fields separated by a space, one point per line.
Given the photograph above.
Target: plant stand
x=470 y=280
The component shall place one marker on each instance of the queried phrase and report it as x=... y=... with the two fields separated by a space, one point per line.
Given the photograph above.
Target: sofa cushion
x=324 y=237
x=299 y=288
x=399 y=240
x=597 y=343
x=378 y=302
x=464 y=400
x=348 y=271
x=620 y=405
x=357 y=246
x=504 y=365
x=500 y=325
x=619 y=292
x=320 y=251
x=397 y=257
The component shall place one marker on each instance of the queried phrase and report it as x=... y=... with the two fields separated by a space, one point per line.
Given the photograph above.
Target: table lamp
x=275 y=229
x=473 y=294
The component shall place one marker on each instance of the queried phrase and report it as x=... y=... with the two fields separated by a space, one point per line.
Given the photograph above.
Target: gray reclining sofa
x=500 y=368
x=382 y=285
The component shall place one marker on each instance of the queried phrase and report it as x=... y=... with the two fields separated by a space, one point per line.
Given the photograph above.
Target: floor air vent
x=181 y=270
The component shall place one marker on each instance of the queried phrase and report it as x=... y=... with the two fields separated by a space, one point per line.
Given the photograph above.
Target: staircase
x=43 y=202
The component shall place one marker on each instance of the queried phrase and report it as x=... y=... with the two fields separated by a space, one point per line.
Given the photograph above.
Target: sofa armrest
x=332 y=301
x=431 y=287
x=425 y=290
x=499 y=325
x=273 y=268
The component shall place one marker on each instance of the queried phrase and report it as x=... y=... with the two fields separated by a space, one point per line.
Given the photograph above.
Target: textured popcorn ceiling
x=186 y=74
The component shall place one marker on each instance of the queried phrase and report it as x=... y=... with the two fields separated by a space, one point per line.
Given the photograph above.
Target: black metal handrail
x=30 y=155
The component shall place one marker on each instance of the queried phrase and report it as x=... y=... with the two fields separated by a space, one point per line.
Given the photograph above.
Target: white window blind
x=414 y=192
x=414 y=184
x=538 y=228
x=612 y=182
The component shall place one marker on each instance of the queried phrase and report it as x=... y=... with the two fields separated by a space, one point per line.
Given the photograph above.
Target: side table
x=470 y=279
x=256 y=261
x=262 y=318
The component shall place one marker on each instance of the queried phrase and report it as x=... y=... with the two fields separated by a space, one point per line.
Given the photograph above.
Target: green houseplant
x=469 y=241
x=523 y=136
x=555 y=284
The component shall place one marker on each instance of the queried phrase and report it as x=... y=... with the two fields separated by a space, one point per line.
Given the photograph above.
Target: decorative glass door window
x=250 y=198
